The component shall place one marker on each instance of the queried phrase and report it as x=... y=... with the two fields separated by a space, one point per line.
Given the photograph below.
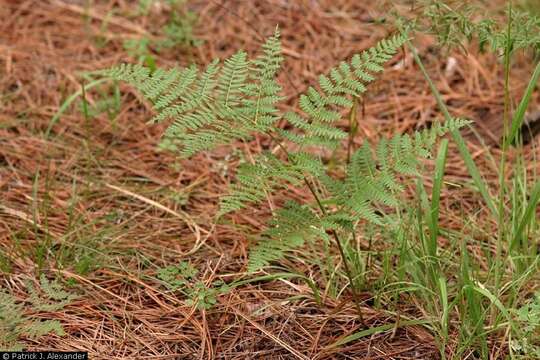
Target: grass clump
x=486 y=300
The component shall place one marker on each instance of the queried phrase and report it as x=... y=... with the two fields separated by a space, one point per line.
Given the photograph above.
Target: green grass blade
x=519 y=116
x=495 y=301
x=445 y=308
x=436 y=196
x=473 y=171
x=527 y=216
x=68 y=102
x=376 y=330
x=463 y=150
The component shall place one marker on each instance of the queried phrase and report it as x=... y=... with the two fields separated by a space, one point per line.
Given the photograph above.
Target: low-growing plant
x=485 y=300
x=183 y=278
x=364 y=194
x=16 y=325
x=528 y=316
x=179 y=29
x=237 y=100
x=177 y=33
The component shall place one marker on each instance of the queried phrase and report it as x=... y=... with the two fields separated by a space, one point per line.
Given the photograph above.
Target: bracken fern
x=237 y=99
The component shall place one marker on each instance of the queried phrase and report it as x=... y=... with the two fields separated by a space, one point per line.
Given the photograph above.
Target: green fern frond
x=238 y=98
x=186 y=77
x=233 y=78
x=133 y=74
x=183 y=278
x=307 y=163
x=254 y=182
x=11 y=322
x=16 y=325
x=373 y=182
x=288 y=230
x=226 y=102
x=323 y=107
x=212 y=116
x=54 y=296
x=38 y=328
x=262 y=92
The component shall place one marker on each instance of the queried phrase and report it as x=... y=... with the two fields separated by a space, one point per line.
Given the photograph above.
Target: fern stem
x=353 y=126
x=354 y=290
x=348 y=272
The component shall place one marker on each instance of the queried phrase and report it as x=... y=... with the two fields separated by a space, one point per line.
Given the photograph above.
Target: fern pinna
x=237 y=99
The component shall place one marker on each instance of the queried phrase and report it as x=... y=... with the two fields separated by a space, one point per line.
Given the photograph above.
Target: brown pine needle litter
x=102 y=185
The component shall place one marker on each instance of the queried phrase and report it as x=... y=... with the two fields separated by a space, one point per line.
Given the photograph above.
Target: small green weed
x=183 y=278
x=528 y=317
x=177 y=33
x=16 y=325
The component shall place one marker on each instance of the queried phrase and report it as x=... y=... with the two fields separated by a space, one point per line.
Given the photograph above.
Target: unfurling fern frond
x=323 y=107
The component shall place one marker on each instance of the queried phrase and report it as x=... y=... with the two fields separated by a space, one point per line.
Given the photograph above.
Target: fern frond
x=254 y=182
x=223 y=103
x=291 y=226
x=210 y=115
x=133 y=74
x=14 y=324
x=54 y=296
x=193 y=99
x=176 y=93
x=307 y=163
x=262 y=92
x=323 y=107
x=232 y=79
x=372 y=182
x=39 y=328
x=11 y=322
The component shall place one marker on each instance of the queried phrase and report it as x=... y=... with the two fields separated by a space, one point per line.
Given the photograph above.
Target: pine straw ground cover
x=98 y=206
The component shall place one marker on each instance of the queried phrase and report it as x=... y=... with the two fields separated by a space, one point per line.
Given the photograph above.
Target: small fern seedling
x=237 y=99
x=14 y=325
